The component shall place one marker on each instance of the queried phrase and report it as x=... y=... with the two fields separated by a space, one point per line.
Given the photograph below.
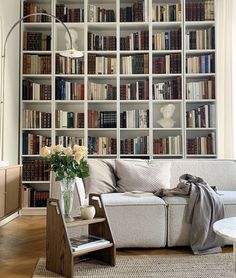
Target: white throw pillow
x=142 y=175
x=101 y=177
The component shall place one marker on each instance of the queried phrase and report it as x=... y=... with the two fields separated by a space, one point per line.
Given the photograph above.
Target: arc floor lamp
x=71 y=52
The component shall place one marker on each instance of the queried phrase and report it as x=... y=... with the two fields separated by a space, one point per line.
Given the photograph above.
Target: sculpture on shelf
x=74 y=36
x=167 y=112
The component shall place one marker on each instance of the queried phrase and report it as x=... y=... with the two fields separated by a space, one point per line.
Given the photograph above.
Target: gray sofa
x=155 y=222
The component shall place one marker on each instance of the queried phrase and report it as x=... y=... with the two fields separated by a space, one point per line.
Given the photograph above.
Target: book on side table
x=138 y=193
x=83 y=242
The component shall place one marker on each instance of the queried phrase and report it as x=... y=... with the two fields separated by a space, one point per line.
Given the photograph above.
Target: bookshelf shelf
x=200 y=51
x=36 y=182
x=149 y=71
x=198 y=128
x=199 y=23
x=167 y=24
x=199 y=100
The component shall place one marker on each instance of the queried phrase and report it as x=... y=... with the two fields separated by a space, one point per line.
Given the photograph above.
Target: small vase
x=67 y=194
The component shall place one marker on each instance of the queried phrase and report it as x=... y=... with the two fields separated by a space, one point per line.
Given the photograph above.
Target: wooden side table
x=59 y=254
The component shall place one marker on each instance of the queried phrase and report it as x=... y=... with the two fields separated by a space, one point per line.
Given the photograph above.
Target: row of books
x=36 y=64
x=36 y=41
x=169 y=89
x=35 y=169
x=168 y=145
x=34 y=198
x=101 y=145
x=138 y=145
x=134 y=64
x=138 y=90
x=166 y=64
x=35 y=91
x=99 y=14
x=36 y=119
x=167 y=40
x=137 y=12
x=67 y=90
x=69 y=141
x=166 y=12
x=200 y=39
x=202 y=10
x=32 y=143
x=201 y=64
x=102 y=119
x=64 y=119
x=135 y=41
x=138 y=118
x=100 y=91
x=30 y=8
x=67 y=65
x=100 y=42
x=203 y=117
x=203 y=89
x=66 y=14
x=202 y=144
x=101 y=64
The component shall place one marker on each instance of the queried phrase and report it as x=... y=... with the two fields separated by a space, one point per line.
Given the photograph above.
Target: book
x=82 y=242
x=138 y=193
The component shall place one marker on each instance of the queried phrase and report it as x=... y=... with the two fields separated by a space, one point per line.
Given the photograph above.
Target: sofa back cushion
x=101 y=177
x=142 y=175
x=221 y=173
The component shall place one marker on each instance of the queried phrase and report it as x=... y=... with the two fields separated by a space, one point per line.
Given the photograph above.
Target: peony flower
x=68 y=151
x=78 y=156
x=76 y=148
x=80 y=149
x=45 y=151
x=58 y=148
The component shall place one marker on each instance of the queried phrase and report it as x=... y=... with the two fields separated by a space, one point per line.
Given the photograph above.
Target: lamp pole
x=69 y=53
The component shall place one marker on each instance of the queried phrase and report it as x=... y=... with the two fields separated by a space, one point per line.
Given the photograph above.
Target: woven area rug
x=163 y=266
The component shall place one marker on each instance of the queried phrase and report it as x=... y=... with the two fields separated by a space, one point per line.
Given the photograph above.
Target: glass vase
x=67 y=194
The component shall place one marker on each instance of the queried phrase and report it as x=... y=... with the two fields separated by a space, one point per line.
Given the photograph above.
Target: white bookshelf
x=119 y=30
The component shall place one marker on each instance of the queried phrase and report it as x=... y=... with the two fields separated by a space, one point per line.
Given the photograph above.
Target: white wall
x=9 y=14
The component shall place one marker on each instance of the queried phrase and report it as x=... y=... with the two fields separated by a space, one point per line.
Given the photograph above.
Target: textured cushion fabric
x=101 y=177
x=136 y=221
x=143 y=176
x=179 y=229
x=120 y=199
x=221 y=173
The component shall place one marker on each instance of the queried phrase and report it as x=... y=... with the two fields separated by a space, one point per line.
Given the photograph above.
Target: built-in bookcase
x=139 y=56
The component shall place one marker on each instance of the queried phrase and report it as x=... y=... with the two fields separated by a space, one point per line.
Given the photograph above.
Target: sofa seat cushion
x=120 y=199
x=136 y=221
x=179 y=229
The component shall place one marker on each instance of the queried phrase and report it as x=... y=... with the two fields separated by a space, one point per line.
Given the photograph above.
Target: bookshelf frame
x=117 y=28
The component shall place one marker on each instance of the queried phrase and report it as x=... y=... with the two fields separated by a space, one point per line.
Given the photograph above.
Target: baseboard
x=9 y=218
x=33 y=211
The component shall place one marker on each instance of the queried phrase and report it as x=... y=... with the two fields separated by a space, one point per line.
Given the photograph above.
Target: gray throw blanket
x=205 y=207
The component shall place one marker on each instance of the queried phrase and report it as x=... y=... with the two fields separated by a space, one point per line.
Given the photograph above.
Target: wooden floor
x=22 y=243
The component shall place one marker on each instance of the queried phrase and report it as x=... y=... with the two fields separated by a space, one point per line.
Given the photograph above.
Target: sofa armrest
x=79 y=185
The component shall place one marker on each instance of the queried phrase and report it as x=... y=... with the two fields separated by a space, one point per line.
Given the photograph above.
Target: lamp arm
x=29 y=15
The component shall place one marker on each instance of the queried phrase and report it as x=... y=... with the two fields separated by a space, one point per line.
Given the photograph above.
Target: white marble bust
x=167 y=112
